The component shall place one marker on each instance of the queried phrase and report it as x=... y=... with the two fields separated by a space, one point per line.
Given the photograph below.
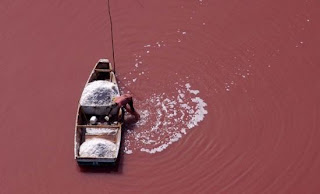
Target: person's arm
x=131 y=110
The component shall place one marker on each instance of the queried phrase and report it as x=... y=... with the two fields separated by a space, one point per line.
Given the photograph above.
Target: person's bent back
x=123 y=101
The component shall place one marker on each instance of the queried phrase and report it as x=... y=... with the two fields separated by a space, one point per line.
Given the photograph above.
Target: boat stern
x=96 y=161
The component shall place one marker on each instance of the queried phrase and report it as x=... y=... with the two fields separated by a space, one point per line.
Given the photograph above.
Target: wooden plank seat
x=103 y=70
x=111 y=138
x=98 y=126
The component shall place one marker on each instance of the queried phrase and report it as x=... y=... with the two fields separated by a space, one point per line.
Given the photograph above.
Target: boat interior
x=103 y=129
x=106 y=129
x=103 y=71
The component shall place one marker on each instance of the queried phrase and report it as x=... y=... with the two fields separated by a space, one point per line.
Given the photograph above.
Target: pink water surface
x=255 y=65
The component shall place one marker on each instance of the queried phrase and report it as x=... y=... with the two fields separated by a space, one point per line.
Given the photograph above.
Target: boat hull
x=101 y=71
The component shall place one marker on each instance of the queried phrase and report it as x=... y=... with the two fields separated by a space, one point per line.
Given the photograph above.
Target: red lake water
x=228 y=93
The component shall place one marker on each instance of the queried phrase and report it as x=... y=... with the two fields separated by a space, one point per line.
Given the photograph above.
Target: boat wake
x=165 y=118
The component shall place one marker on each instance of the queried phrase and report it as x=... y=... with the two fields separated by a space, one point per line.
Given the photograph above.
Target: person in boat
x=123 y=102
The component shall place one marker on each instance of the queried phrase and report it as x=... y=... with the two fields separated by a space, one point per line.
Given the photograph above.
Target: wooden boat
x=102 y=71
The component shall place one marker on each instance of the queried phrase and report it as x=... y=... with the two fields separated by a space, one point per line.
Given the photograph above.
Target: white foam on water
x=127 y=151
x=191 y=91
x=165 y=119
x=199 y=113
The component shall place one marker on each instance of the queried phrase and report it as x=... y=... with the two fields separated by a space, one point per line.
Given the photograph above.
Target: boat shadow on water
x=116 y=168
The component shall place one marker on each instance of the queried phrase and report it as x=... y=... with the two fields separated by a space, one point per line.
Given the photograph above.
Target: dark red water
x=254 y=63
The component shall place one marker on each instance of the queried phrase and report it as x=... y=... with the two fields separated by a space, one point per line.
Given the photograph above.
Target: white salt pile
x=98 y=131
x=98 y=147
x=99 y=93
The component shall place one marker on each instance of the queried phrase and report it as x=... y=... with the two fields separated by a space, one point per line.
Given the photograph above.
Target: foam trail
x=172 y=116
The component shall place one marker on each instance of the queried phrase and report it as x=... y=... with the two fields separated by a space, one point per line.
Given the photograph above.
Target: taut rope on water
x=114 y=61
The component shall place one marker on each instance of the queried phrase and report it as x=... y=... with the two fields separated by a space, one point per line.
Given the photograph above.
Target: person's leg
x=131 y=105
x=113 y=114
x=132 y=110
x=129 y=109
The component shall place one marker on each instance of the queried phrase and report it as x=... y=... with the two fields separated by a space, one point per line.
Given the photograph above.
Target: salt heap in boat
x=97 y=147
x=98 y=93
x=99 y=131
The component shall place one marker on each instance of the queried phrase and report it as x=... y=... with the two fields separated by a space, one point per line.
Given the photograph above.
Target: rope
x=114 y=61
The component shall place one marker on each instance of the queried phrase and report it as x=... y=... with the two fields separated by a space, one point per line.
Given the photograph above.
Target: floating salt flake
x=191 y=91
x=128 y=151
